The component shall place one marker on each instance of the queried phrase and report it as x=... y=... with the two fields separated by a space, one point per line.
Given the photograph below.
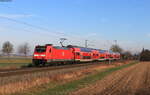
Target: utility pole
x=86 y=43
x=115 y=42
x=109 y=52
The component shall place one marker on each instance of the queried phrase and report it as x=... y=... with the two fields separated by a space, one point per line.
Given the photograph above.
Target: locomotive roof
x=39 y=46
x=58 y=47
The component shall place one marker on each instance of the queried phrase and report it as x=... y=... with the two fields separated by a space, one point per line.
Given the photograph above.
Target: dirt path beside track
x=134 y=80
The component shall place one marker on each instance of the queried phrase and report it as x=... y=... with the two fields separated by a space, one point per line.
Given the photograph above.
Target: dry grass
x=22 y=85
x=17 y=84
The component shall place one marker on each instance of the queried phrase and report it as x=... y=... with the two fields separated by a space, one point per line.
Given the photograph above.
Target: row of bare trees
x=8 y=48
x=124 y=54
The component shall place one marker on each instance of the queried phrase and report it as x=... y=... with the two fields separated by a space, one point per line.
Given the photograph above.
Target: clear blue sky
x=99 y=21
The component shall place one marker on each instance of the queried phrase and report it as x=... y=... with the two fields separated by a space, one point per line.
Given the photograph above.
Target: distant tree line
x=8 y=49
x=145 y=55
x=125 y=55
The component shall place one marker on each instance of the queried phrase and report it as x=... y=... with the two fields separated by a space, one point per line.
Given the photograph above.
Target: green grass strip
x=14 y=64
x=74 y=85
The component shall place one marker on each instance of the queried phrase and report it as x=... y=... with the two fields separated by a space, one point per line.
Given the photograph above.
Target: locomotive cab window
x=40 y=49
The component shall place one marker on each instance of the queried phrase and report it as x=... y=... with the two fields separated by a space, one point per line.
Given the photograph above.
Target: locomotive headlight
x=36 y=55
x=42 y=55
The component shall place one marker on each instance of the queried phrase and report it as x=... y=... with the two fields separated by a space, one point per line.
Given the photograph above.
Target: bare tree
x=24 y=49
x=145 y=55
x=116 y=48
x=127 y=55
x=7 y=48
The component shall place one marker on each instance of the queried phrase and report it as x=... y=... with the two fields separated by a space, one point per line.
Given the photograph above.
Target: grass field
x=14 y=62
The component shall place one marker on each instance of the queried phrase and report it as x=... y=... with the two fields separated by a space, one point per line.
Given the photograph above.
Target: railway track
x=20 y=71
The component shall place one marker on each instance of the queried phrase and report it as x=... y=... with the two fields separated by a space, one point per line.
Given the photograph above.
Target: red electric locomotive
x=52 y=54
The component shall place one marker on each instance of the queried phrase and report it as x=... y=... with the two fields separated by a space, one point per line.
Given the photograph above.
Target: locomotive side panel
x=61 y=54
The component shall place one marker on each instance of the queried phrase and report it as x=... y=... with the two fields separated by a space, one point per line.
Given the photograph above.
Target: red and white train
x=73 y=54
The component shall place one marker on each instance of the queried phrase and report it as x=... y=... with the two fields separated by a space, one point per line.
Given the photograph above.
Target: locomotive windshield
x=40 y=49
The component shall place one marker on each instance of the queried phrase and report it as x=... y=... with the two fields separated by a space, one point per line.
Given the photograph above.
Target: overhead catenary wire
x=27 y=24
x=38 y=27
x=43 y=29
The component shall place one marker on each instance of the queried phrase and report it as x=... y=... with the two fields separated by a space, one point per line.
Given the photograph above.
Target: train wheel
x=43 y=64
x=36 y=64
